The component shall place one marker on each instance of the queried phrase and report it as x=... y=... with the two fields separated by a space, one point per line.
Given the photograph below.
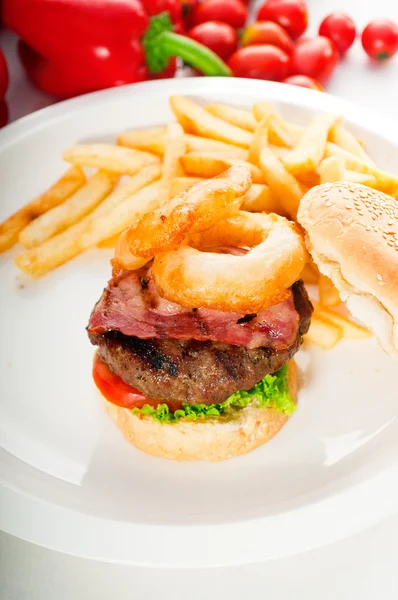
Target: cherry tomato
x=3 y=113
x=188 y=11
x=292 y=15
x=304 y=81
x=380 y=39
x=3 y=75
x=260 y=62
x=115 y=390
x=219 y=37
x=267 y=32
x=233 y=12
x=315 y=57
x=339 y=28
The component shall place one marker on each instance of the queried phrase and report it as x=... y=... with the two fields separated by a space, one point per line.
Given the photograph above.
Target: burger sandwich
x=197 y=329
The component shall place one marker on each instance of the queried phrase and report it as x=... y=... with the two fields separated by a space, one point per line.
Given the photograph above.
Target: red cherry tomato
x=232 y=12
x=292 y=15
x=188 y=11
x=304 y=81
x=315 y=57
x=219 y=37
x=267 y=32
x=115 y=390
x=260 y=62
x=3 y=113
x=339 y=28
x=3 y=75
x=380 y=39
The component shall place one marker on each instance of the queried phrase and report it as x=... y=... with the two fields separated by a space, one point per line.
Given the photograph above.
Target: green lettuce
x=272 y=392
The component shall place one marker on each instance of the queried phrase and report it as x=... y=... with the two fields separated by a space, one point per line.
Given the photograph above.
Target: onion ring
x=243 y=284
x=196 y=209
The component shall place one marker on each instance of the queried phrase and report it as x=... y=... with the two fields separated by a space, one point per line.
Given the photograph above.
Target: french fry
x=310 y=274
x=150 y=140
x=386 y=182
x=153 y=140
x=281 y=182
x=174 y=149
x=195 y=143
x=109 y=242
x=195 y=119
x=260 y=139
x=279 y=151
x=331 y=169
x=328 y=294
x=355 y=177
x=62 y=189
x=282 y=133
x=180 y=184
x=308 y=153
x=350 y=329
x=117 y=159
x=260 y=198
x=342 y=137
x=61 y=217
x=323 y=333
x=308 y=180
x=38 y=261
x=210 y=164
x=236 y=116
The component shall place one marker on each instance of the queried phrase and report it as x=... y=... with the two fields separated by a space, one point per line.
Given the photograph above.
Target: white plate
x=331 y=471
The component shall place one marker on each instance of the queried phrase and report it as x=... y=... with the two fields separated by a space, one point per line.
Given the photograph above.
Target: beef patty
x=196 y=371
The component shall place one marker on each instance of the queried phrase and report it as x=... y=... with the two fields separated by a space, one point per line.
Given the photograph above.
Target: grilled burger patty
x=195 y=371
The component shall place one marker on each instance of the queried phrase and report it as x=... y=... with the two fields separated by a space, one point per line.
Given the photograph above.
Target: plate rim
x=238 y=543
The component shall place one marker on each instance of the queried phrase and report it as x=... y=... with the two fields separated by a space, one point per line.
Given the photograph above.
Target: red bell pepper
x=70 y=47
x=3 y=89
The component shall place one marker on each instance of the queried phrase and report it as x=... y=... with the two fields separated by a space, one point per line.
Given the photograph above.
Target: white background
x=364 y=566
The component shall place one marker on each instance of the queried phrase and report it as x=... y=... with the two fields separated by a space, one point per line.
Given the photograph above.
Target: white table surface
x=364 y=566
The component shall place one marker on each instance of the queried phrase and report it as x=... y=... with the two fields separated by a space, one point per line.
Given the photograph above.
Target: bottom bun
x=210 y=439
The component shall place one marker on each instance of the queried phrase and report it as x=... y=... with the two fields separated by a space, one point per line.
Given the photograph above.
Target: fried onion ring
x=194 y=210
x=242 y=284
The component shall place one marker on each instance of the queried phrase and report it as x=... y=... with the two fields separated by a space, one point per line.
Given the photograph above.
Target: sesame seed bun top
x=352 y=234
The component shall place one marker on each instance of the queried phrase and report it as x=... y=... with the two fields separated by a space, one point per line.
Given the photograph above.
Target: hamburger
x=352 y=235
x=191 y=382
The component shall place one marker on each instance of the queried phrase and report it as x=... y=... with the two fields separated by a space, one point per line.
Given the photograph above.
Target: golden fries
x=236 y=116
x=56 y=251
x=386 y=182
x=77 y=206
x=174 y=150
x=260 y=198
x=180 y=184
x=308 y=153
x=364 y=178
x=281 y=182
x=349 y=329
x=328 y=294
x=323 y=333
x=109 y=158
x=260 y=139
x=211 y=164
x=281 y=132
x=331 y=169
x=62 y=189
x=150 y=140
x=196 y=119
x=343 y=138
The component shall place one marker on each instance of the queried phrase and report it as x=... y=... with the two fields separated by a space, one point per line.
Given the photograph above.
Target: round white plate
x=331 y=471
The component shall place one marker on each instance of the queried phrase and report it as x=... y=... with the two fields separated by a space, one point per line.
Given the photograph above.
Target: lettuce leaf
x=272 y=392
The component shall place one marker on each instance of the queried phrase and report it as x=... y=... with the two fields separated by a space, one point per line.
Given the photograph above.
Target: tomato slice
x=115 y=390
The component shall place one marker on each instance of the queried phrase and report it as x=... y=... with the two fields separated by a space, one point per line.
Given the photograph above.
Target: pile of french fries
x=145 y=168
